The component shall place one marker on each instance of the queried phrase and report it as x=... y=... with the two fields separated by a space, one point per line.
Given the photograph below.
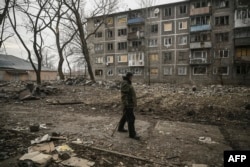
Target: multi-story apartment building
x=188 y=41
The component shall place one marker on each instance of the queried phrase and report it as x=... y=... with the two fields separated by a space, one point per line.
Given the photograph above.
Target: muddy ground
x=179 y=125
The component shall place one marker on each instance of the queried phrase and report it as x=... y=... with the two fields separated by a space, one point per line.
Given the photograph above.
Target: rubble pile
x=26 y=91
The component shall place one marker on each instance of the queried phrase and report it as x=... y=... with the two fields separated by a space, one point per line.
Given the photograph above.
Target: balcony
x=135 y=49
x=135 y=35
x=132 y=63
x=195 y=28
x=199 y=45
x=137 y=20
x=199 y=61
x=200 y=11
x=242 y=41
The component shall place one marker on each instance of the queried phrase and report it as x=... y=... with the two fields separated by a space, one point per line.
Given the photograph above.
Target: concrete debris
x=199 y=165
x=37 y=157
x=78 y=162
x=206 y=140
x=44 y=147
x=41 y=139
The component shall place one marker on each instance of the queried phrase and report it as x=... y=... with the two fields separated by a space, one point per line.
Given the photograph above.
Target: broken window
x=98 y=35
x=201 y=4
x=200 y=20
x=98 y=72
x=122 y=32
x=167 y=12
x=168 y=41
x=167 y=70
x=182 y=56
x=122 y=45
x=222 y=20
x=167 y=57
x=183 y=9
x=110 y=34
x=182 y=40
x=222 y=4
x=182 y=70
x=154 y=28
x=222 y=37
x=110 y=46
x=223 y=53
x=243 y=69
x=98 y=47
x=199 y=70
x=97 y=22
x=223 y=70
x=167 y=26
x=110 y=72
x=152 y=42
x=136 y=44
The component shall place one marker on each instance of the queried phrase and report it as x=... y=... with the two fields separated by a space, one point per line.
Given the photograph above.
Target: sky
x=14 y=47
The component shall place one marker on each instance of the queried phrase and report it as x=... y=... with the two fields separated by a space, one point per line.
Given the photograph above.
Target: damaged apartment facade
x=193 y=41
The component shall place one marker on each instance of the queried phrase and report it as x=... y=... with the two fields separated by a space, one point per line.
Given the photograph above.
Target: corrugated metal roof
x=12 y=62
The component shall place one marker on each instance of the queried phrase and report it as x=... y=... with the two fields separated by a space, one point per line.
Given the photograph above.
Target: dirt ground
x=179 y=125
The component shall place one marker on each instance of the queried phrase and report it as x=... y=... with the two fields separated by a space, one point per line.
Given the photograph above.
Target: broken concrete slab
x=37 y=157
x=41 y=139
x=199 y=165
x=78 y=162
x=44 y=147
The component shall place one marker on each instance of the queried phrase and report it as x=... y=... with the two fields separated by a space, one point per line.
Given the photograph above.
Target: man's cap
x=129 y=74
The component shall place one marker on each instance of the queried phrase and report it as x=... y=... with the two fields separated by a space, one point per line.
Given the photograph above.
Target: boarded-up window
x=183 y=25
x=154 y=71
x=110 y=20
x=168 y=27
x=110 y=59
x=154 y=57
x=123 y=58
x=122 y=19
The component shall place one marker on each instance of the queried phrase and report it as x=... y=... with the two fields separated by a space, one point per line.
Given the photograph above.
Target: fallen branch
x=122 y=154
x=65 y=103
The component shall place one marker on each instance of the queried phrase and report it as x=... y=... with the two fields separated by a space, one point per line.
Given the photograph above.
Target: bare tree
x=103 y=8
x=4 y=11
x=4 y=26
x=36 y=23
x=62 y=24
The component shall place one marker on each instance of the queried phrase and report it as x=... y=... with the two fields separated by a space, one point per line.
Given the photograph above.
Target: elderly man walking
x=128 y=97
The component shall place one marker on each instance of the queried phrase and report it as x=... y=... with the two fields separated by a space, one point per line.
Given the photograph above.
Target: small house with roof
x=16 y=69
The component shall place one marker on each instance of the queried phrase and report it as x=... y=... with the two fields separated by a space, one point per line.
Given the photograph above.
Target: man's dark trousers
x=128 y=115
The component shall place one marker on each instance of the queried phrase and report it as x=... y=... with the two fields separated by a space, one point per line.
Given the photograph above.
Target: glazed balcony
x=137 y=20
x=196 y=28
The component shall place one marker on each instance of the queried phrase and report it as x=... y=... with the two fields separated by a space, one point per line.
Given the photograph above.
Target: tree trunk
x=84 y=47
x=60 y=64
